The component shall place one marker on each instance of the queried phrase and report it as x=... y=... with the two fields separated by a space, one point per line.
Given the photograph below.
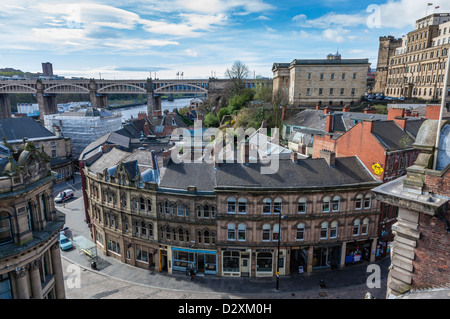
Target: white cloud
x=335 y=35
x=191 y=53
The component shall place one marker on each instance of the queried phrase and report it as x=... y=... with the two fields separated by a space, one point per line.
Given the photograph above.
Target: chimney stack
x=166 y=157
x=329 y=156
x=346 y=108
x=401 y=121
x=329 y=123
x=394 y=112
x=294 y=156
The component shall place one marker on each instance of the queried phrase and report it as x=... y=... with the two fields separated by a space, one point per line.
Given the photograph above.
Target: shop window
x=266 y=232
x=230 y=261
x=242 y=206
x=264 y=262
x=324 y=230
x=356 y=225
x=336 y=203
x=141 y=253
x=277 y=206
x=367 y=201
x=267 y=206
x=114 y=246
x=326 y=205
x=301 y=206
x=242 y=232
x=231 y=209
x=300 y=232
x=231 y=232
x=333 y=229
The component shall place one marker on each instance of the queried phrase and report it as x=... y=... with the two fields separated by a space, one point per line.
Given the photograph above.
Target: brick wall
x=432 y=254
x=322 y=143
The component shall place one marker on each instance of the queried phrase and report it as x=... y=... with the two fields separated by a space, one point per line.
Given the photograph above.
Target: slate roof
x=391 y=136
x=112 y=138
x=305 y=173
x=15 y=129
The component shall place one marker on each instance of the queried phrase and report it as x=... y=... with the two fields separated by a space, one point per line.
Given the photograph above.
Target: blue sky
x=138 y=38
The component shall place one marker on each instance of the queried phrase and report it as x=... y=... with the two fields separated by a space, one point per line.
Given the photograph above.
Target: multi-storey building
x=331 y=80
x=30 y=261
x=224 y=219
x=416 y=66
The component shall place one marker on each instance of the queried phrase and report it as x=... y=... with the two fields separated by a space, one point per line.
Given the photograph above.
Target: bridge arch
x=79 y=88
x=122 y=87
x=26 y=88
x=181 y=88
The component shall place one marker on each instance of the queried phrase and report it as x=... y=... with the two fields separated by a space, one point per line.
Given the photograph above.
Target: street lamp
x=279 y=242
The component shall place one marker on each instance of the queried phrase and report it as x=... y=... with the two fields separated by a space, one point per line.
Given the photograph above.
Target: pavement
x=115 y=280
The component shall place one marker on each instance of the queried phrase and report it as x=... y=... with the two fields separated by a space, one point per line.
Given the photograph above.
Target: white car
x=64 y=195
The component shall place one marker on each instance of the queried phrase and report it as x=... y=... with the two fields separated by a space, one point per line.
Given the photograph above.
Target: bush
x=211 y=120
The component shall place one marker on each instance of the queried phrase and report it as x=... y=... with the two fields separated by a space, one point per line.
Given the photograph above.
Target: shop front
x=357 y=251
x=202 y=261
x=326 y=257
x=236 y=262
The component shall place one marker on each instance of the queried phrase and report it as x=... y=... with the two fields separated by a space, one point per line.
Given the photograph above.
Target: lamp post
x=278 y=253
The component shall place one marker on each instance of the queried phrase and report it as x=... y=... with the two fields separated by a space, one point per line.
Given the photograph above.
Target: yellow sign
x=377 y=169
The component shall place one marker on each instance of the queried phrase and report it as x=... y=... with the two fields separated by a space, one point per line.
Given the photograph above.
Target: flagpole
x=443 y=104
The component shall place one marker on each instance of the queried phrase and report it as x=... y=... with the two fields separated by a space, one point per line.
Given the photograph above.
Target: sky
x=137 y=39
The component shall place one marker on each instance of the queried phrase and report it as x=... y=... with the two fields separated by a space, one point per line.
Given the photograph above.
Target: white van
x=64 y=195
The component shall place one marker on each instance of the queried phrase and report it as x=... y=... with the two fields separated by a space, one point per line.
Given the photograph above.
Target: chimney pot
x=329 y=156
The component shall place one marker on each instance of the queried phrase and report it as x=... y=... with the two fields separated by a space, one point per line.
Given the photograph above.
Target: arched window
x=267 y=206
x=367 y=201
x=180 y=235
x=324 y=230
x=149 y=205
x=333 y=229
x=231 y=232
x=301 y=206
x=356 y=225
x=231 y=209
x=150 y=230
x=206 y=236
x=242 y=206
x=242 y=232
x=5 y=228
x=180 y=210
x=358 y=202
x=336 y=203
x=300 y=232
x=166 y=207
x=365 y=226
x=141 y=204
x=326 y=205
x=266 y=232
x=278 y=206
x=205 y=211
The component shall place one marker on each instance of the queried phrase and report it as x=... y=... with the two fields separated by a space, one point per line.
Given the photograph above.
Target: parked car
x=64 y=195
x=64 y=242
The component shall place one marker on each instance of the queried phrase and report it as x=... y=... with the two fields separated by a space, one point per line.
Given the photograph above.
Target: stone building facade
x=30 y=261
x=308 y=82
x=414 y=66
x=205 y=216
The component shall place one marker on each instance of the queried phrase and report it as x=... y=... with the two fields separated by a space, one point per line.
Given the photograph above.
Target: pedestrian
x=192 y=273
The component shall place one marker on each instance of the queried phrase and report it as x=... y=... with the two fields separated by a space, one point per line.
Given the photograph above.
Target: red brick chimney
x=367 y=125
x=370 y=110
x=401 y=121
x=317 y=107
x=433 y=112
x=329 y=156
x=326 y=110
x=394 y=112
x=346 y=108
x=329 y=123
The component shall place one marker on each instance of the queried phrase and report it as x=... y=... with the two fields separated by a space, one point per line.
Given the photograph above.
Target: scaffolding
x=83 y=126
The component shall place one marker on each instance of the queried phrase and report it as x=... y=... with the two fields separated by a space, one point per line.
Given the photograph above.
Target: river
x=133 y=111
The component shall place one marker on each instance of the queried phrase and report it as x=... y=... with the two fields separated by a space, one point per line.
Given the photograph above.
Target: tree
x=238 y=72
x=211 y=120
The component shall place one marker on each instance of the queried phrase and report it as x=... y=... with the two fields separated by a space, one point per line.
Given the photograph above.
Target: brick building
x=421 y=254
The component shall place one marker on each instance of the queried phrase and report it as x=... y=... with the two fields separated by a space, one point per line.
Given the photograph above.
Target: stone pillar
x=150 y=100
x=102 y=101
x=93 y=93
x=57 y=271
x=310 y=259
x=373 y=250
x=35 y=278
x=343 y=250
x=5 y=106
x=47 y=103
x=22 y=282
